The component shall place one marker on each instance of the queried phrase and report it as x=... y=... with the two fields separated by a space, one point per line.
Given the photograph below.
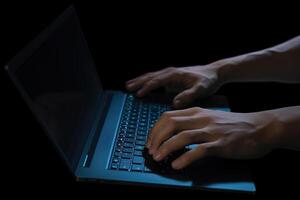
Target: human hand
x=218 y=133
x=190 y=82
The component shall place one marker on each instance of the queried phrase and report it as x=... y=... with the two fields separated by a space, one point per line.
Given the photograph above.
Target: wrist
x=223 y=69
x=271 y=129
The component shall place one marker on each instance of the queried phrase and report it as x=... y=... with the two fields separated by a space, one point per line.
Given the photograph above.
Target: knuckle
x=212 y=149
x=193 y=137
x=155 y=142
x=166 y=115
x=208 y=148
x=154 y=81
x=175 y=72
x=172 y=123
x=210 y=120
x=204 y=149
x=170 y=69
x=149 y=83
x=187 y=135
x=198 y=87
x=180 y=73
x=164 y=149
x=207 y=119
x=196 y=109
x=149 y=74
x=186 y=159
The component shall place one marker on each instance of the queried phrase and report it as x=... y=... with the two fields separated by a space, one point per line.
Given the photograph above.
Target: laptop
x=100 y=134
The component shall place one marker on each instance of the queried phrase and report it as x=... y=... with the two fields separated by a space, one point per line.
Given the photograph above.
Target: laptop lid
x=56 y=76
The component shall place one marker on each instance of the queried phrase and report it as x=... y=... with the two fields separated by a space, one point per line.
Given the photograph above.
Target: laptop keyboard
x=137 y=119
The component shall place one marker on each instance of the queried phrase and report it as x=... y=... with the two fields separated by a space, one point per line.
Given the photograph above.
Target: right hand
x=190 y=82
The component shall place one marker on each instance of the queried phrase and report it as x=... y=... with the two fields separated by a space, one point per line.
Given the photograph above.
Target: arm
x=224 y=134
x=288 y=120
x=280 y=63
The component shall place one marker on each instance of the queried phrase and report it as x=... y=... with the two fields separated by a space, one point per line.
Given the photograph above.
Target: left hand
x=218 y=133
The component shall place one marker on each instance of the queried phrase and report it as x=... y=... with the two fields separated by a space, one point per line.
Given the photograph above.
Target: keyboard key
x=129 y=140
x=142 y=128
x=138 y=160
x=130 y=135
x=115 y=160
x=117 y=154
x=133 y=118
x=119 y=144
x=134 y=114
x=143 y=133
x=142 y=124
x=137 y=168
x=132 y=126
x=131 y=130
x=123 y=127
x=114 y=166
x=141 y=137
x=146 y=169
x=144 y=116
x=139 y=142
x=139 y=148
x=125 y=164
x=138 y=153
x=127 y=155
x=128 y=150
x=128 y=145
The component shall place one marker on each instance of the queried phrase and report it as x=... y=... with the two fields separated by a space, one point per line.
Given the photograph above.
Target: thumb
x=188 y=96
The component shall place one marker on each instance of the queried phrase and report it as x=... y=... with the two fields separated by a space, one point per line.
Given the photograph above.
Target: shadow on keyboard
x=162 y=167
x=202 y=172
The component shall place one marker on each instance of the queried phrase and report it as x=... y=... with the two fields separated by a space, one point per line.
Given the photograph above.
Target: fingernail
x=129 y=81
x=157 y=157
x=175 y=165
x=148 y=145
x=177 y=102
x=129 y=85
x=151 y=151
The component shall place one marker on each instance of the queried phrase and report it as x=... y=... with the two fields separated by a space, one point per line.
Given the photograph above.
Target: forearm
x=285 y=131
x=280 y=63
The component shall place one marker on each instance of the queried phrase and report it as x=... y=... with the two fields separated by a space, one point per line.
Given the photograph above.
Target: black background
x=127 y=40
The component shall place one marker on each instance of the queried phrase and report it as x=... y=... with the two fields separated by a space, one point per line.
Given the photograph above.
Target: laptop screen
x=57 y=77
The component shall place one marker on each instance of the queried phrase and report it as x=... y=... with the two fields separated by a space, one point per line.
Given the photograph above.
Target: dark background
x=127 y=40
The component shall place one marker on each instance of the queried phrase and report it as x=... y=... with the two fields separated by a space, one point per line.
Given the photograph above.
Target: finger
x=187 y=96
x=132 y=80
x=141 y=76
x=181 y=140
x=171 y=127
x=134 y=84
x=203 y=150
x=138 y=82
x=165 y=116
x=152 y=84
x=161 y=79
x=162 y=132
